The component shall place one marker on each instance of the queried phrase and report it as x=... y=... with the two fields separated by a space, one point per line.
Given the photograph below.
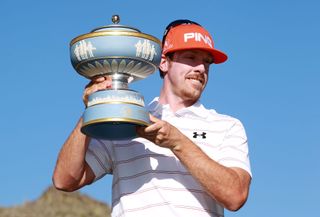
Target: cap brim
x=218 y=56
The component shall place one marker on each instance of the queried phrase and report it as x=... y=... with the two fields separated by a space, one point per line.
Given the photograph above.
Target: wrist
x=179 y=143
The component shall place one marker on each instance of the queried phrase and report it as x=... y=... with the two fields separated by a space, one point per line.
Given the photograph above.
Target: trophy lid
x=115 y=29
x=115 y=26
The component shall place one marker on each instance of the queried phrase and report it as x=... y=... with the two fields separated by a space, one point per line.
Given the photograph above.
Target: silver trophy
x=127 y=55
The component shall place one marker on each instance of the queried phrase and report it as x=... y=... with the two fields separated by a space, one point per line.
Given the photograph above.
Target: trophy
x=126 y=55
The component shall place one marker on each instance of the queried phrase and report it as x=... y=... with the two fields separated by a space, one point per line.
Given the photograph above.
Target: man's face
x=187 y=73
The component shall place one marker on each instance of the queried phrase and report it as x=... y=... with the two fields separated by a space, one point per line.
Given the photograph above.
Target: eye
x=190 y=56
x=208 y=60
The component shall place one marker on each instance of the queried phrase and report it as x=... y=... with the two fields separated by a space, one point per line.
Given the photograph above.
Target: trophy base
x=114 y=115
x=112 y=130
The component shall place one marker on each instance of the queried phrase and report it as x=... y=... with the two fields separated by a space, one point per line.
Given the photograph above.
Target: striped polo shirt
x=150 y=181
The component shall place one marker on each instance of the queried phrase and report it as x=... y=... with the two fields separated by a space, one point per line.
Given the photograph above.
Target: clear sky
x=270 y=82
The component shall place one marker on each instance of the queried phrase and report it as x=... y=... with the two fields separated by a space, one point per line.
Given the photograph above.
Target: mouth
x=197 y=78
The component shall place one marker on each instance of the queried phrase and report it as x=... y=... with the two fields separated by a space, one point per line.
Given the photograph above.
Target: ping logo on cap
x=198 y=37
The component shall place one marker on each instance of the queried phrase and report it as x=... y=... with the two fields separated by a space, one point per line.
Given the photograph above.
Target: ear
x=164 y=64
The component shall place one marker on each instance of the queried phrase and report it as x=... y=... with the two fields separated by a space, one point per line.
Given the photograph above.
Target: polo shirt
x=149 y=180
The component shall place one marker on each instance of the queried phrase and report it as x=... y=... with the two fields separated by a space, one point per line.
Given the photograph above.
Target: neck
x=175 y=102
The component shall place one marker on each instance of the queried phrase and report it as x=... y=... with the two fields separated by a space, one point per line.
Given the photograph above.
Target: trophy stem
x=119 y=81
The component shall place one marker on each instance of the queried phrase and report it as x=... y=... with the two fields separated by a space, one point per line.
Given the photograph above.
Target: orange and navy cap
x=186 y=35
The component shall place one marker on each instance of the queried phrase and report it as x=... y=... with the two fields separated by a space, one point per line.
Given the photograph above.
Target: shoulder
x=213 y=115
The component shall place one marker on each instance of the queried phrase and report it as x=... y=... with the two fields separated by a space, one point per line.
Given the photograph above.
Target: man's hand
x=96 y=84
x=161 y=133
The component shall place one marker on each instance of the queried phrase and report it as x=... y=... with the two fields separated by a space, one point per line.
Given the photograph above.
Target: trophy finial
x=115 y=19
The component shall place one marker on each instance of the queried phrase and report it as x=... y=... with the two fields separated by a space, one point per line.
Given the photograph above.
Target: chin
x=193 y=96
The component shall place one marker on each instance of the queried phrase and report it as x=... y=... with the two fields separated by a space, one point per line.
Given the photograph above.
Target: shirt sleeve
x=234 y=150
x=98 y=157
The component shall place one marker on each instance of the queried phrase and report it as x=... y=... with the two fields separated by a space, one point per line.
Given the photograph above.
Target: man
x=190 y=161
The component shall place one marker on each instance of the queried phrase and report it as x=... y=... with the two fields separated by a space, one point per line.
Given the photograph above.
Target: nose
x=201 y=67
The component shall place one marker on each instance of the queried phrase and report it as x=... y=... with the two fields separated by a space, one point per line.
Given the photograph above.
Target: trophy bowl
x=126 y=55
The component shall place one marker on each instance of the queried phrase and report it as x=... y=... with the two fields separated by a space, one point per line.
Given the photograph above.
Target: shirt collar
x=196 y=109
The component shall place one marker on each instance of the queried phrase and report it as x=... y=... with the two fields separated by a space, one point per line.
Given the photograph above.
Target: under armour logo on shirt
x=196 y=134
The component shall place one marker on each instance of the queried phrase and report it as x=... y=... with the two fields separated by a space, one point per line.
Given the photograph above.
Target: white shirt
x=150 y=181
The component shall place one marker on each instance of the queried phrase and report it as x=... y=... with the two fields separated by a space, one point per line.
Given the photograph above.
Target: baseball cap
x=185 y=35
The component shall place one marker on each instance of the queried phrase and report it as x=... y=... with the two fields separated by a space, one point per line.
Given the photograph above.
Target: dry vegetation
x=54 y=203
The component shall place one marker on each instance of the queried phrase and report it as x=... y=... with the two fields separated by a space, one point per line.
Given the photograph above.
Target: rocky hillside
x=54 y=203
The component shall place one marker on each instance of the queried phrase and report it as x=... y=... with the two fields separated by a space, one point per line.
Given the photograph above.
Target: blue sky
x=270 y=82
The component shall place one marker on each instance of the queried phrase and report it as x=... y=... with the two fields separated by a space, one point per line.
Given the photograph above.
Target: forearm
x=70 y=169
x=221 y=183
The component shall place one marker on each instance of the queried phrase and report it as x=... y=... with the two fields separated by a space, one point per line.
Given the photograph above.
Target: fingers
x=96 y=84
x=149 y=135
x=151 y=129
x=161 y=133
x=101 y=78
x=154 y=127
x=140 y=130
x=155 y=124
x=153 y=118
